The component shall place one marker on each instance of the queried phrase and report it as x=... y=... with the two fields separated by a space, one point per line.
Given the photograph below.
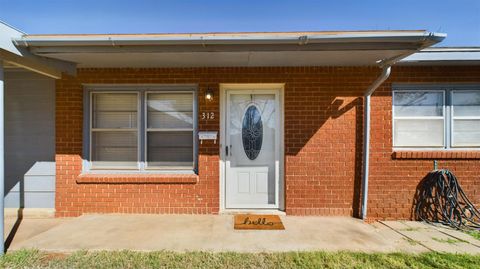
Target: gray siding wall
x=29 y=138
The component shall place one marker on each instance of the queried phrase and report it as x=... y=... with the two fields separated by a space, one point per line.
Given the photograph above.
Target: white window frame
x=453 y=117
x=420 y=117
x=142 y=91
x=92 y=130
x=194 y=115
x=448 y=90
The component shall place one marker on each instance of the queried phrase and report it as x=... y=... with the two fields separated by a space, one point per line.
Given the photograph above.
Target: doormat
x=257 y=222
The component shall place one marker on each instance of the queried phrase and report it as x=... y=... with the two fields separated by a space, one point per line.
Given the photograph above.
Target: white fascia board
x=7 y=33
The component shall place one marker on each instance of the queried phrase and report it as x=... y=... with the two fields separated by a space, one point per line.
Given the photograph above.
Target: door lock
x=228 y=150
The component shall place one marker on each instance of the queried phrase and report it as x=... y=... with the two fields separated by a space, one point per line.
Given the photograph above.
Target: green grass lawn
x=474 y=233
x=130 y=259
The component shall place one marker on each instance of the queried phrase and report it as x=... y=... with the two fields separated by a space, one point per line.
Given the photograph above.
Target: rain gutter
x=228 y=39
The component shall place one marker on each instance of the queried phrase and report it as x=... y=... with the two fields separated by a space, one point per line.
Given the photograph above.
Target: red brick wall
x=393 y=181
x=323 y=144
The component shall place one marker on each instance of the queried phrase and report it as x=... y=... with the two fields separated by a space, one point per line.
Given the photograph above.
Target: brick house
x=301 y=123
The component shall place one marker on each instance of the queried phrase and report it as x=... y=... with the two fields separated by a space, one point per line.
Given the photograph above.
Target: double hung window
x=142 y=129
x=436 y=117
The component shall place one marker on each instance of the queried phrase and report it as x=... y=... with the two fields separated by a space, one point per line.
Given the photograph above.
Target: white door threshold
x=252 y=211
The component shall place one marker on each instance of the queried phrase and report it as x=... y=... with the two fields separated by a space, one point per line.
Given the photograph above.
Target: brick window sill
x=443 y=154
x=137 y=179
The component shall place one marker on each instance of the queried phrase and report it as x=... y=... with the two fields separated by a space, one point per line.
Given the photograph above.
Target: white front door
x=252 y=149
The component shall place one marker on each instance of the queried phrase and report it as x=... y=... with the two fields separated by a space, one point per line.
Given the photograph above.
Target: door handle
x=228 y=150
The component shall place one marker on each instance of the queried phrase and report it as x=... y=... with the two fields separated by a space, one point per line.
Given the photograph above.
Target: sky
x=460 y=19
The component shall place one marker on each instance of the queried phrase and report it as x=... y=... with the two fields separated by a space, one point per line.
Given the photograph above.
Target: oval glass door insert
x=252 y=132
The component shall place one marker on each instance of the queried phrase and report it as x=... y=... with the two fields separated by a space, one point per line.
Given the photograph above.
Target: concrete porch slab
x=213 y=233
x=17 y=230
x=436 y=237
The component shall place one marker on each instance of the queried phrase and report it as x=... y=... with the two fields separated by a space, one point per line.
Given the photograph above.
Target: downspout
x=366 y=135
x=2 y=154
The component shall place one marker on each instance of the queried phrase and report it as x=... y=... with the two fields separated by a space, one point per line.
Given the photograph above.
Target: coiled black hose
x=439 y=198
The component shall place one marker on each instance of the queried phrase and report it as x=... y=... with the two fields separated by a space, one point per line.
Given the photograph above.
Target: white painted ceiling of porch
x=225 y=59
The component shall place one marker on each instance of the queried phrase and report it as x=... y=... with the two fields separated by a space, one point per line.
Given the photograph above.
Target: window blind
x=114 y=136
x=170 y=130
x=419 y=119
x=465 y=118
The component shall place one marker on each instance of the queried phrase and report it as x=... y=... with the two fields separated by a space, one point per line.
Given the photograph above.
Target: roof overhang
x=444 y=56
x=360 y=48
x=19 y=57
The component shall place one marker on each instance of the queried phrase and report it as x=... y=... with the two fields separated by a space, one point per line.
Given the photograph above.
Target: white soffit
x=225 y=59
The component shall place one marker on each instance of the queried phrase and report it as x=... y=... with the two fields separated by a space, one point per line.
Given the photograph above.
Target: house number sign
x=208 y=115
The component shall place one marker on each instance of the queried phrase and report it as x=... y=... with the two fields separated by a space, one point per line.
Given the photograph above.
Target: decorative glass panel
x=411 y=104
x=252 y=132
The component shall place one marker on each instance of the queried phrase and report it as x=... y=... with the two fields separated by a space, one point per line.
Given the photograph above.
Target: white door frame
x=279 y=87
